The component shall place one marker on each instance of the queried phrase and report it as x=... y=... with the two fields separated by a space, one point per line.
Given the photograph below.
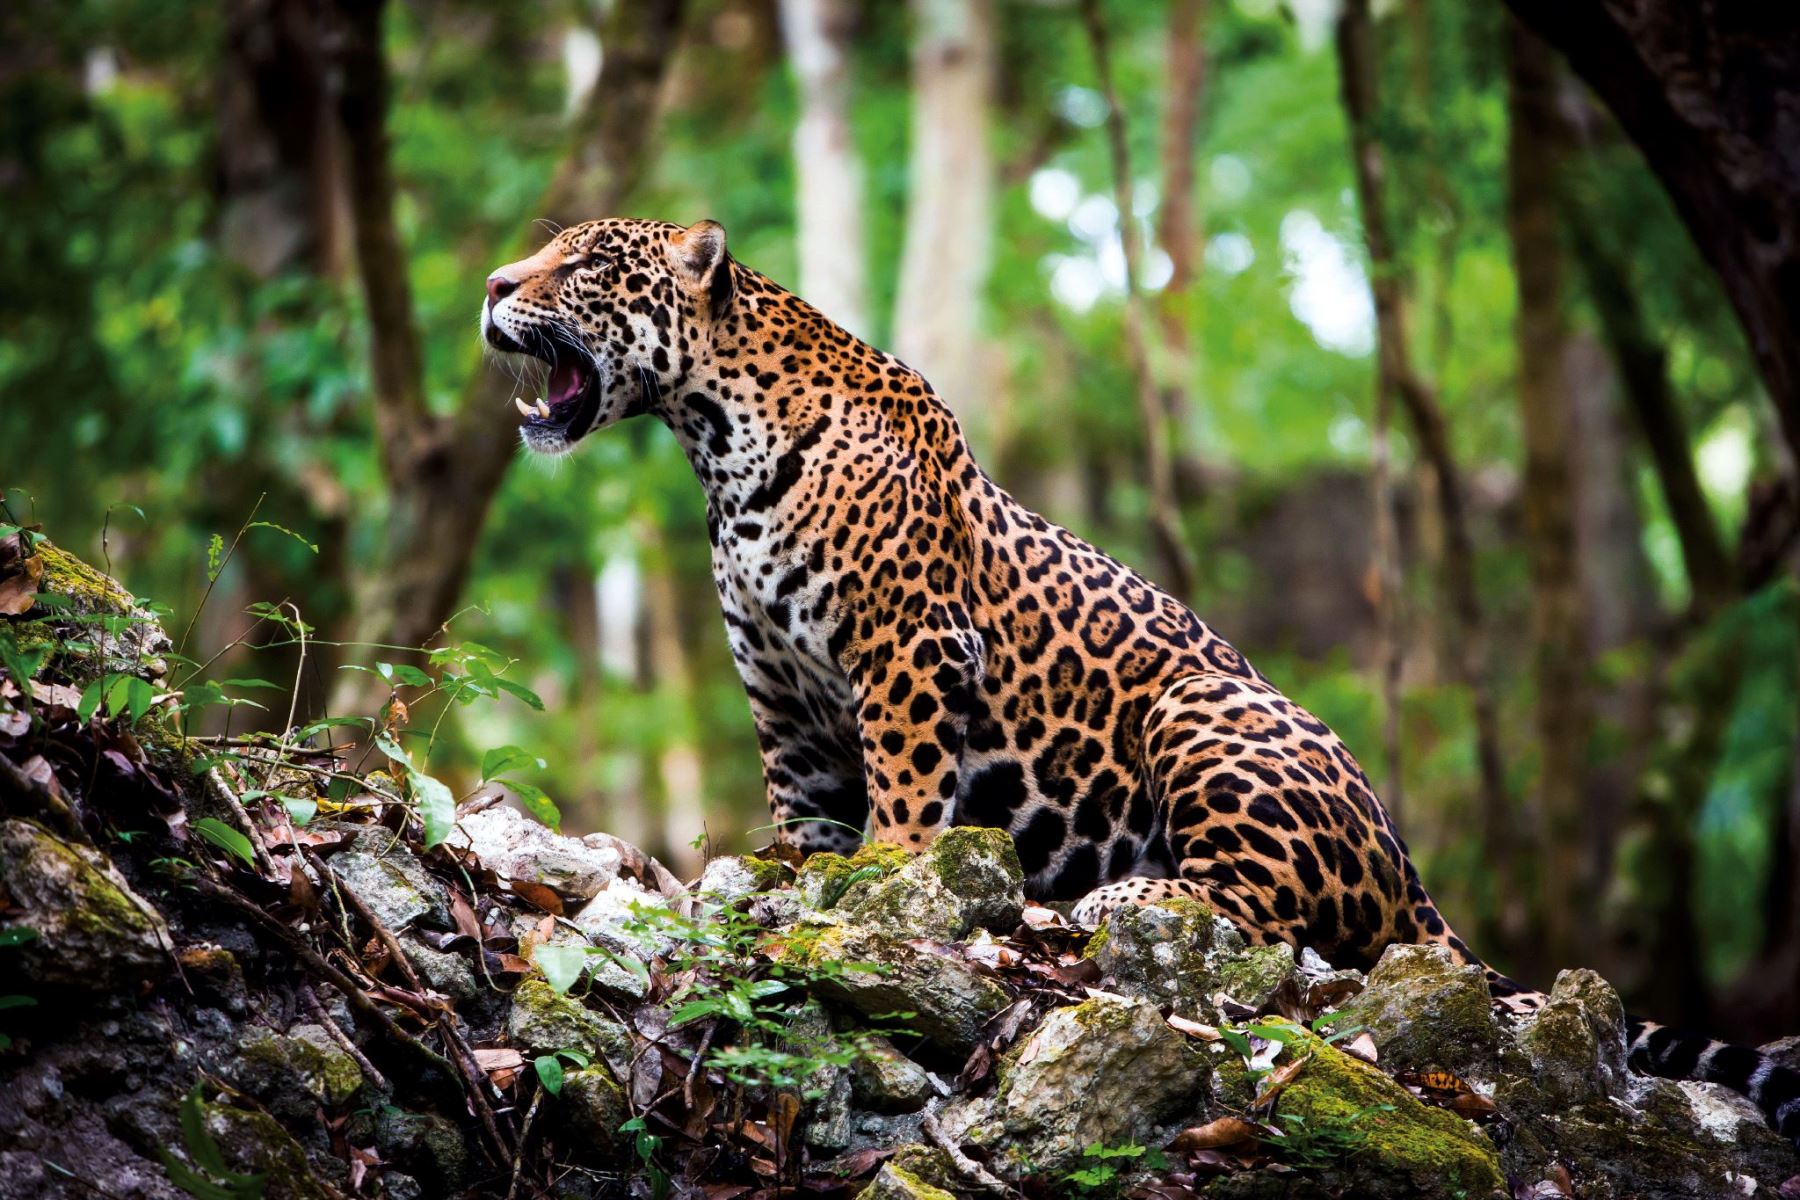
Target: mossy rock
x=132 y=644
x=1425 y=1010
x=884 y=1080
x=968 y=878
x=254 y=1142
x=1251 y=975
x=426 y=1146
x=92 y=931
x=897 y=1183
x=1159 y=952
x=591 y=1107
x=542 y=1021
x=295 y=1073
x=1108 y=1070
x=1412 y=1150
x=1576 y=1041
x=824 y=880
x=950 y=1000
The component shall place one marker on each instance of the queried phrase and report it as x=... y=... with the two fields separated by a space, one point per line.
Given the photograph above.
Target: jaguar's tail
x=1677 y=1054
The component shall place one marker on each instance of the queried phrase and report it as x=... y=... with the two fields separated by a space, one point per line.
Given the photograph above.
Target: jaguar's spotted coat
x=920 y=650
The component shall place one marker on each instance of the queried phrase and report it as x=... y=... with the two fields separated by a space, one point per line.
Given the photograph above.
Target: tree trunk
x=1175 y=562
x=1560 y=658
x=1178 y=231
x=443 y=471
x=828 y=175
x=949 y=207
x=1711 y=95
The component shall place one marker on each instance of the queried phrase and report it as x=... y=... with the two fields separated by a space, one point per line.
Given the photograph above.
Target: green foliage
x=205 y=1175
x=1314 y=1146
x=225 y=838
x=549 y=1069
x=1110 y=1164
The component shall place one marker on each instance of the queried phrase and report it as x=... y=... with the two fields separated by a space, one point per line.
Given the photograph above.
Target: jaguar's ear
x=698 y=255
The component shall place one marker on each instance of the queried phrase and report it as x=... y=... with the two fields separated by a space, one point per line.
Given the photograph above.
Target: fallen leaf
x=1279 y=1078
x=1226 y=1131
x=538 y=896
x=1361 y=1046
x=1790 y=1188
x=1193 y=1029
x=19 y=576
x=1038 y=917
x=1474 y=1106
x=498 y=1058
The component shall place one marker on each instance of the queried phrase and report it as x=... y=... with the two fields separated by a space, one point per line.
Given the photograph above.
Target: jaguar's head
x=617 y=312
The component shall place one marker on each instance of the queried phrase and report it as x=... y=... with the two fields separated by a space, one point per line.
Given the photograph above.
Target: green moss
x=1427 y=1149
x=926 y=1163
x=323 y=1070
x=964 y=857
x=1251 y=974
x=90 y=590
x=767 y=873
x=98 y=906
x=822 y=877
x=542 y=1021
x=912 y=1186
x=1096 y=943
x=255 y=1141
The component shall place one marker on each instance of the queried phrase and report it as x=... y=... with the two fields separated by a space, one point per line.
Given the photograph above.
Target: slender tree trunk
x=1711 y=95
x=830 y=192
x=1178 y=231
x=949 y=207
x=1175 y=562
x=443 y=471
x=678 y=762
x=1564 y=707
x=1643 y=368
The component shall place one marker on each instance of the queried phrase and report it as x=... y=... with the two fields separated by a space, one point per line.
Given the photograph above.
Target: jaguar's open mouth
x=571 y=399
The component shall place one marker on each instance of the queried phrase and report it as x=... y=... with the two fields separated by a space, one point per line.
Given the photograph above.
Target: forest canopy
x=1368 y=328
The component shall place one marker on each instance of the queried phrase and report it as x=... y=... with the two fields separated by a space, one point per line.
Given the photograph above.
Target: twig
x=524 y=1133
x=17 y=785
x=310 y=998
x=223 y=793
x=965 y=1166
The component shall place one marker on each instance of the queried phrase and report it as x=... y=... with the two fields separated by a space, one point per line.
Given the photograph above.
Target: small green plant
x=15 y=935
x=1105 y=1177
x=644 y=1145
x=549 y=1068
x=1310 y=1146
x=208 y=1178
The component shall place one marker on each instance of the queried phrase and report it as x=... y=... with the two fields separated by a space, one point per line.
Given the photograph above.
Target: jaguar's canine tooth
x=543 y=409
x=525 y=410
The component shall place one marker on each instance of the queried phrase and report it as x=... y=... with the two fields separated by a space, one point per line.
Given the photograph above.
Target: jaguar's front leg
x=914 y=695
x=816 y=797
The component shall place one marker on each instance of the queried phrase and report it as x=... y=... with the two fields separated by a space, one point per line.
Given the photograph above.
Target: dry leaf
x=498 y=1058
x=1361 y=1046
x=19 y=576
x=538 y=896
x=1474 y=1106
x=1279 y=1078
x=1193 y=1029
x=1226 y=1131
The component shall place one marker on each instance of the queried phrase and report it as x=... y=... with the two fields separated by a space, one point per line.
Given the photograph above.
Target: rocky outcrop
x=344 y=1011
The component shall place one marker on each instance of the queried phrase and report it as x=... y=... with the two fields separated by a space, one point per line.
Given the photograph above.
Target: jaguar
x=920 y=650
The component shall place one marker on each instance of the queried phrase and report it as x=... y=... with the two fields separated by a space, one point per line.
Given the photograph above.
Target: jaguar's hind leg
x=1271 y=822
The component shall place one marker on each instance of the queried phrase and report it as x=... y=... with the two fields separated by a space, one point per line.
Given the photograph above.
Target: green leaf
x=118 y=694
x=300 y=809
x=18 y=1002
x=17 y=935
x=91 y=696
x=562 y=965
x=225 y=838
x=501 y=759
x=139 y=696
x=253 y=683
x=437 y=807
x=521 y=691
x=576 y=1057
x=323 y=723
x=537 y=802
x=283 y=529
x=402 y=674
x=549 y=1073
x=215 y=557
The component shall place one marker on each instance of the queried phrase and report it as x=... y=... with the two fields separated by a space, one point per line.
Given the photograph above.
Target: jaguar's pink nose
x=499 y=287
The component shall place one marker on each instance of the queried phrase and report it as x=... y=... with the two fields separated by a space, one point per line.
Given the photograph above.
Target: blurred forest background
x=1366 y=327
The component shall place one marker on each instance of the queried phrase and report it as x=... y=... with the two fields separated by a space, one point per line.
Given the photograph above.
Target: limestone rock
x=296 y=1072
x=593 y=1106
x=1577 y=1041
x=1107 y=1070
x=393 y=884
x=1425 y=1010
x=967 y=879
x=886 y=1081
x=514 y=846
x=91 y=930
x=895 y=1183
x=543 y=1022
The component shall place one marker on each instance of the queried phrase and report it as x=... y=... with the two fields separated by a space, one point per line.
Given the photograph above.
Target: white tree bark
x=949 y=212
x=830 y=192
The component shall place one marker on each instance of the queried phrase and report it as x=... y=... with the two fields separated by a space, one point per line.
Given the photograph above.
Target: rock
x=425 y=1146
x=133 y=646
x=828 y=1123
x=514 y=846
x=447 y=972
x=394 y=886
x=92 y=931
x=968 y=878
x=895 y=1183
x=256 y=1142
x=826 y=881
x=1159 y=952
x=885 y=1081
x=592 y=1107
x=1107 y=1070
x=622 y=918
x=1178 y=952
x=1387 y=1141
x=1426 y=1010
x=1577 y=1041
x=543 y=1022
x=730 y=878
x=950 y=999
x=294 y=1073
